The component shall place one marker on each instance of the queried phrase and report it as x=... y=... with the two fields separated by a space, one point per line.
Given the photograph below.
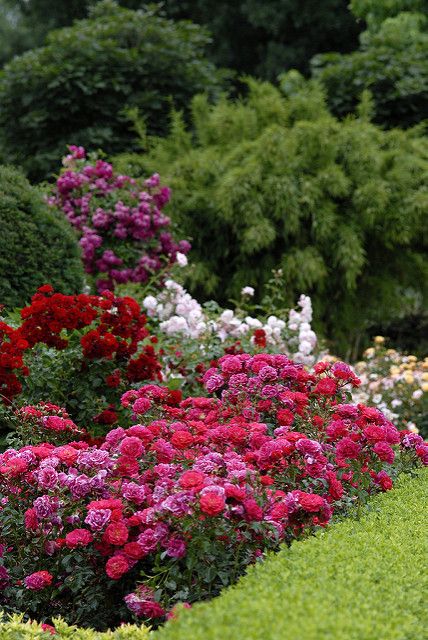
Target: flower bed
x=176 y=507
x=359 y=581
x=395 y=383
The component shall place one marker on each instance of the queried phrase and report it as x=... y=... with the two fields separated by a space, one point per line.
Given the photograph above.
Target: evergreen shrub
x=37 y=245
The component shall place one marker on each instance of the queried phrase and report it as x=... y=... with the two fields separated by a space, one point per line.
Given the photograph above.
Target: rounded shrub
x=78 y=87
x=37 y=246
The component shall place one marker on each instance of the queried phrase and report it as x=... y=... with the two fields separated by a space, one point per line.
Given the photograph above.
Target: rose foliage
x=175 y=507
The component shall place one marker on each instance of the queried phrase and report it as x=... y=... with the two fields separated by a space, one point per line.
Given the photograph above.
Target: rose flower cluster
x=123 y=232
x=101 y=345
x=176 y=506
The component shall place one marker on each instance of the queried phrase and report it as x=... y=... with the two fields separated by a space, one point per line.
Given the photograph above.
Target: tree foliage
x=392 y=62
x=251 y=36
x=37 y=246
x=265 y=38
x=277 y=182
x=77 y=88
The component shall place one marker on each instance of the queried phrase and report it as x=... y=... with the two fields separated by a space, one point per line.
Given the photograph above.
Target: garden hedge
x=37 y=245
x=361 y=580
x=16 y=629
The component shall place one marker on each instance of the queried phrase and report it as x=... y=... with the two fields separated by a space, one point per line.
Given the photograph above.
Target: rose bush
x=193 y=335
x=175 y=506
x=123 y=232
x=395 y=383
x=79 y=351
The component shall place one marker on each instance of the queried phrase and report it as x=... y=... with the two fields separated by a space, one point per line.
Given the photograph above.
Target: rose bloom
x=326 y=387
x=374 y=433
x=285 y=417
x=347 y=448
x=116 y=533
x=311 y=502
x=383 y=479
x=131 y=446
x=38 y=580
x=116 y=567
x=176 y=547
x=212 y=503
x=30 y=520
x=182 y=439
x=384 y=452
x=193 y=480
x=78 y=538
x=134 y=550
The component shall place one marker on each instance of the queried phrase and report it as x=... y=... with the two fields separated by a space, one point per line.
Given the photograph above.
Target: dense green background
x=298 y=175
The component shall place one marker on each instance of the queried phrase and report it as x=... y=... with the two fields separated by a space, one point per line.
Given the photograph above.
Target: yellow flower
x=370 y=352
x=424 y=387
x=412 y=358
x=409 y=378
x=394 y=371
x=425 y=376
x=379 y=340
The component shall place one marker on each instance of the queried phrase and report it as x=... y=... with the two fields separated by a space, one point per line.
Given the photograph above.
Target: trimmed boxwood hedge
x=37 y=246
x=360 y=580
x=15 y=629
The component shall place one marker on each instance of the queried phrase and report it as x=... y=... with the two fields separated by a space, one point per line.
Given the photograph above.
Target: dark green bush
x=250 y=36
x=392 y=62
x=266 y=38
x=275 y=182
x=358 y=581
x=37 y=246
x=77 y=88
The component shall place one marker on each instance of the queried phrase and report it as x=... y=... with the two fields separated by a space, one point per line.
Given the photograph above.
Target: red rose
x=116 y=567
x=116 y=533
x=193 y=480
x=252 y=510
x=326 y=387
x=348 y=449
x=182 y=439
x=383 y=479
x=134 y=550
x=127 y=466
x=384 y=452
x=131 y=446
x=212 y=503
x=285 y=417
x=38 y=580
x=260 y=338
x=78 y=538
x=30 y=519
x=279 y=511
x=311 y=502
x=374 y=433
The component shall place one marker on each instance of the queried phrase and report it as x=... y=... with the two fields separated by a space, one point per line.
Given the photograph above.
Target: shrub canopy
x=37 y=246
x=392 y=62
x=277 y=182
x=76 y=89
